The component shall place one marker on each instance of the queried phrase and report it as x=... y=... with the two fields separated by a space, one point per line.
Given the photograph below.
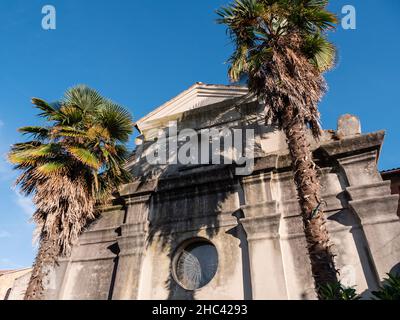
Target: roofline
x=3 y=272
x=389 y=171
x=193 y=88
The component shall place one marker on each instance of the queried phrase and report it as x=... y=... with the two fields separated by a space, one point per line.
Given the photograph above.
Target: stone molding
x=261 y=220
x=378 y=189
x=376 y=210
x=98 y=236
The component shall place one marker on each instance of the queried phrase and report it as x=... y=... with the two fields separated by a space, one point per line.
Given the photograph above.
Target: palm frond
x=29 y=154
x=83 y=97
x=68 y=131
x=70 y=114
x=48 y=110
x=238 y=63
x=85 y=156
x=98 y=132
x=116 y=120
x=320 y=52
x=35 y=132
x=52 y=168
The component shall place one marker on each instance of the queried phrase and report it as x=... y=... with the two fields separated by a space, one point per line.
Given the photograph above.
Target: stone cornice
x=138 y=188
x=109 y=208
x=355 y=145
x=337 y=149
x=376 y=210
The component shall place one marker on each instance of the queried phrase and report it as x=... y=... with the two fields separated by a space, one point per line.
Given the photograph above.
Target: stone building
x=393 y=176
x=187 y=231
x=13 y=283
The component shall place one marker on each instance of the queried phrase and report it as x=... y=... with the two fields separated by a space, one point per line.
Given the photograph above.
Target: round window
x=196 y=264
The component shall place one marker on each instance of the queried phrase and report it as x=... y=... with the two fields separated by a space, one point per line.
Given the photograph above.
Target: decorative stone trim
x=132 y=245
x=98 y=236
x=376 y=210
x=261 y=221
x=140 y=199
x=109 y=208
x=354 y=145
x=379 y=189
x=138 y=188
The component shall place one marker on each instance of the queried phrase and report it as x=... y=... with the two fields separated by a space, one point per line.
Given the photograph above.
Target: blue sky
x=141 y=54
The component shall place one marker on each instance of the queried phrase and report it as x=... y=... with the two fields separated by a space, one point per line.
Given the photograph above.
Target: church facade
x=198 y=231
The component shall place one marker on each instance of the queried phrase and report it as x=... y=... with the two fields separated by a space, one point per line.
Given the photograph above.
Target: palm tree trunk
x=308 y=190
x=46 y=257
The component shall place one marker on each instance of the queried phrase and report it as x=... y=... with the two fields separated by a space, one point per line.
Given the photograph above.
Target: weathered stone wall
x=394 y=177
x=9 y=288
x=19 y=287
x=253 y=221
x=90 y=271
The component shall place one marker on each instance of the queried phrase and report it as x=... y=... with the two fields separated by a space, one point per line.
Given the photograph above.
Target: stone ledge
x=257 y=178
x=342 y=148
x=132 y=230
x=379 y=189
x=79 y=260
x=262 y=209
x=355 y=145
x=377 y=209
x=291 y=236
x=131 y=245
x=334 y=202
x=98 y=236
x=138 y=199
x=262 y=227
x=138 y=188
x=109 y=208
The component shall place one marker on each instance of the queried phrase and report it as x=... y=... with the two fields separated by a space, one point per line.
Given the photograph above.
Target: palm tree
x=73 y=163
x=282 y=51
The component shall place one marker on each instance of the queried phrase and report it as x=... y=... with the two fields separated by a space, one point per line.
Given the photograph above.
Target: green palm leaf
x=83 y=98
x=52 y=168
x=35 y=132
x=48 y=110
x=117 y=120
x=85 y=156
x=320 y=51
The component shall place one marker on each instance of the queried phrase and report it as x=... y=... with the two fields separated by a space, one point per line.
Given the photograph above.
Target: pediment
x=197 y=96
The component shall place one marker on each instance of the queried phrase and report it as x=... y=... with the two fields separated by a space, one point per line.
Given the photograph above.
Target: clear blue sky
x=142 y=53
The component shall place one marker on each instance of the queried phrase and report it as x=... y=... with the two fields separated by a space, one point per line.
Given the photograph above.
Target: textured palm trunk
x=308 y=189
x=46 y=257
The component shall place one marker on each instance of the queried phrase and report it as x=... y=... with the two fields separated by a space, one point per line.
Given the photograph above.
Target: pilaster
x=261 y=224
x=131 y=243
x=372 y=202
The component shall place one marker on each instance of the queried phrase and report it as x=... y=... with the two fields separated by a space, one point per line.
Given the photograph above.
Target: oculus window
x=195 y=264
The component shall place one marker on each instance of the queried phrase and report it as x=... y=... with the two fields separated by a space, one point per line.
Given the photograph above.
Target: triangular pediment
x=197 y=96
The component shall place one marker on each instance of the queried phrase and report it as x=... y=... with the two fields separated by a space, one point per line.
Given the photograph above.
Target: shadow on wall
x=179 y=214
x=188 y=202
x=239 y=233
x=345 y=217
